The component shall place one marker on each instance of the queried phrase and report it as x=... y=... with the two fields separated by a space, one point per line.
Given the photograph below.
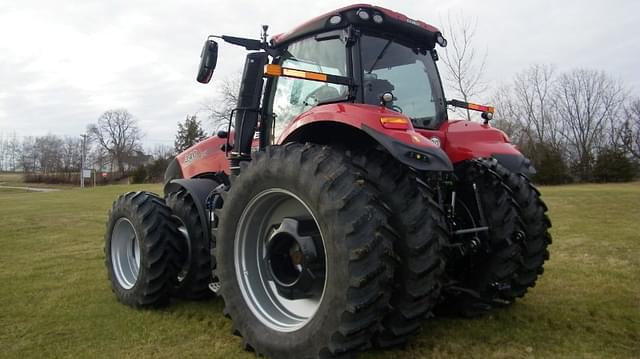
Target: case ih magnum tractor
x=342 y=207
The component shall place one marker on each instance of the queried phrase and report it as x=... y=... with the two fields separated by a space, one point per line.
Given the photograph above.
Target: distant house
x=135 y=160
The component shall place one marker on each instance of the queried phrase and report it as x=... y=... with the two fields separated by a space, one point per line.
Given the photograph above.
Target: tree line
x=576 y=125
x=112 y=145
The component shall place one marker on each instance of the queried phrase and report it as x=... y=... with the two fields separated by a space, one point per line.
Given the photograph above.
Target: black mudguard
x=515 y=163
x=433 y=159
x=173 y=171
x=199 y=189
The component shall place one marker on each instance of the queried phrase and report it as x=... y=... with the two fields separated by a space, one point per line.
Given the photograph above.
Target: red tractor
x=341 y=207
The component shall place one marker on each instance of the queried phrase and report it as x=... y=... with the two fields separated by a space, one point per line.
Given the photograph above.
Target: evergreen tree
x=189 y=133
x=613 y=165
x=549 y=162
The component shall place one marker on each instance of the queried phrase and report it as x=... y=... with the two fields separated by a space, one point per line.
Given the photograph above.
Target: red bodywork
x=460 y=140
x=284 y=37
x=356 y=115
x=204 y=157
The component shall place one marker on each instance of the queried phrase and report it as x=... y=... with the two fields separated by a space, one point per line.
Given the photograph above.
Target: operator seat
x=374 y=88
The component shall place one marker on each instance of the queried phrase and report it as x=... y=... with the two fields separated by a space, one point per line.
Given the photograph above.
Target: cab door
x=291 y=97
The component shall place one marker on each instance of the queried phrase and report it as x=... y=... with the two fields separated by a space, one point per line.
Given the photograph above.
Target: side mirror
x=208 y=60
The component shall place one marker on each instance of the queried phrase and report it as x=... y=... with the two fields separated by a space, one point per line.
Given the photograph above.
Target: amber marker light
x=272 y=70
x=471 y=106
x=481 y=108
x=304 y=74
x=277 y=70
x=395 y=123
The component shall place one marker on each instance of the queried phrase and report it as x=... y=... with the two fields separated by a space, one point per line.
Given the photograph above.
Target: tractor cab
x=368 y=67
x=377 y=64
x=373 y=52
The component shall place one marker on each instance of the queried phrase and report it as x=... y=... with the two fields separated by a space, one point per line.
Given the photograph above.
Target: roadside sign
x=86 y=173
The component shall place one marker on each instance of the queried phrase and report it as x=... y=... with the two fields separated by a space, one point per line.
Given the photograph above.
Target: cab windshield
x=410 y=74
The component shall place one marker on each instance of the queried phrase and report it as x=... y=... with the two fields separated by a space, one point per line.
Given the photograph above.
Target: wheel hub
x=293 y=261
x=280 y=260
x=125 y=253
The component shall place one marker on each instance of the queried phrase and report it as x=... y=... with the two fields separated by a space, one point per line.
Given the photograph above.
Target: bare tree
x=534 y=91
x=8 y=151
x=28 y=155
x=118 y=134
x=3 y=152
x=219 y=109
x=530 y=103
x=630 y=131
x=71 y=154
x=13 y=152
x=98 y=158
x=464 y=65
x=586 y=101
x=49 y=153
x=508 y=115
x=162 y=152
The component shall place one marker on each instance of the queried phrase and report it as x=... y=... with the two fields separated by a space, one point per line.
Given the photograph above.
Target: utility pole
x=82 y=158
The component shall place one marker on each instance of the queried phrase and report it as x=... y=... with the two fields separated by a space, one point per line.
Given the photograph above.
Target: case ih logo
x=195 y=155
x=412 y=22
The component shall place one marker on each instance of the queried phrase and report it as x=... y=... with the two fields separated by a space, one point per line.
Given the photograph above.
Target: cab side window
x=295 y=96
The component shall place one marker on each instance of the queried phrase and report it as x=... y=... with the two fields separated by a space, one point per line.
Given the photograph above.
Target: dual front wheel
x=157 y=248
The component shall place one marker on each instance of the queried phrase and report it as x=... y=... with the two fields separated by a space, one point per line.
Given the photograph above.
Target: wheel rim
x=280 y=260
x=125 y=253
x=182 y=228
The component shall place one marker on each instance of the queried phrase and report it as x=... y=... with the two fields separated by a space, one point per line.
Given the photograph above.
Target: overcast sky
x=63 y=63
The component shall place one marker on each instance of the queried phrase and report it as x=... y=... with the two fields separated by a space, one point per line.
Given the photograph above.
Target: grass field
x=17 y=179
x=55 y=301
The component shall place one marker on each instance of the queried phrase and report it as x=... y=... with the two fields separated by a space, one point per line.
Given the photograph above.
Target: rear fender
x=358 y=125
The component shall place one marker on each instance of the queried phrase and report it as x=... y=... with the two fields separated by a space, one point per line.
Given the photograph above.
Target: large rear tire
x=421 y=226
x=140 y=261
x=195 y=275
x=481 y=269
x=533 y=212
x=304 y=254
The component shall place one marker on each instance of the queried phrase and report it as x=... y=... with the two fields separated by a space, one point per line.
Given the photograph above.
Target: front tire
x=138 y=254
x=346 y=245
x=194 y=276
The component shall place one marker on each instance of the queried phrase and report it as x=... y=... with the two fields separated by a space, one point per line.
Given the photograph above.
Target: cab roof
x=394 y=23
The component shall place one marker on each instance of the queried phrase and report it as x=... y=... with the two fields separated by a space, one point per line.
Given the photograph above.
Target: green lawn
x=17 y=179
x=55 y=300
x=4 y=191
